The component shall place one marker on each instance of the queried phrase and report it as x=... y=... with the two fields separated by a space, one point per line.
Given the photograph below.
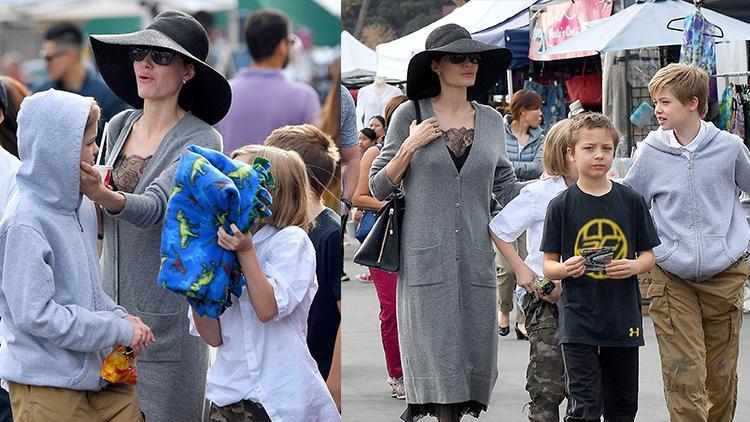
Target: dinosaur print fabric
x=210 y=191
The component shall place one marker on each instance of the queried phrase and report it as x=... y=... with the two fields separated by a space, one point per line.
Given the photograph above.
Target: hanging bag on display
x=381 y=247
x=586 y=87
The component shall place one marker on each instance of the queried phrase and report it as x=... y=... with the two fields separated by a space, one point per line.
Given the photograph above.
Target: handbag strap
x=419 y=112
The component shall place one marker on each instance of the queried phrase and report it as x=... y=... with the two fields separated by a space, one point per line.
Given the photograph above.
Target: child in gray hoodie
x=689 y=172
x=58 y=325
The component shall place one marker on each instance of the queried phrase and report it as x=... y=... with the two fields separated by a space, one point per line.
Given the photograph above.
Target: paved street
x=366 y=396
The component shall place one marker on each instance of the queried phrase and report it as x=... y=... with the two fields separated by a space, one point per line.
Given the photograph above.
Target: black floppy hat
x=207 y=95
x=422 y=82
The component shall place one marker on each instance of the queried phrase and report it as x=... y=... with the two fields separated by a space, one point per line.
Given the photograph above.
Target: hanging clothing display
x=698 y=44
x=734 y=111
x=371 y=101
x=553 y=101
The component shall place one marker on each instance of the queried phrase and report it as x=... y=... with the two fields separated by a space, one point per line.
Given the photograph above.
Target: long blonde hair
x=291 y=195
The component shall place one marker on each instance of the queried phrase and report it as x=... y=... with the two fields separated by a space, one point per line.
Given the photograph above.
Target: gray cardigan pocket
x=169 y=330
x=425 y=266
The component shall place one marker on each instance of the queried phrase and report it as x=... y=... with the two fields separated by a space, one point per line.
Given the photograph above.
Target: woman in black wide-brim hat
x=161 y=72
x=449 y=165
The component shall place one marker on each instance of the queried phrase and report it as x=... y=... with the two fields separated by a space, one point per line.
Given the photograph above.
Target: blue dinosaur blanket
x=210 y=190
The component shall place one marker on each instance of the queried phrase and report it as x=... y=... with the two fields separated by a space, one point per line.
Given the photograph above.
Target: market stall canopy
x=356 y=58
x=475 y=16
x=644 y=24
x=323 y=23
x=512 y=34
x=81 y=10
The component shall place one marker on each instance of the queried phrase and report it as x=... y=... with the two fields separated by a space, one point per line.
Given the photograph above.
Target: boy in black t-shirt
x=320 y=155
x=600 y=311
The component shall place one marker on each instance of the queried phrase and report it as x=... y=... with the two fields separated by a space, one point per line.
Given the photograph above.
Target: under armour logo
x=635 y=332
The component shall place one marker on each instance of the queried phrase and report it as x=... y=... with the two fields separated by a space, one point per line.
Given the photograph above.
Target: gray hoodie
x=694 y=201
x=57 y=322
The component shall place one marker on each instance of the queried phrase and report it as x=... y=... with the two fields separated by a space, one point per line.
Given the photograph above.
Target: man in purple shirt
x=262 y=98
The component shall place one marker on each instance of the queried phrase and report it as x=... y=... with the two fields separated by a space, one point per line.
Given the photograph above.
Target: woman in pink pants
x=385 y=282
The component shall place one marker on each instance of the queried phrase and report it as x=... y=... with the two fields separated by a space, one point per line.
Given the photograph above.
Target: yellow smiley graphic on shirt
x=601 y=232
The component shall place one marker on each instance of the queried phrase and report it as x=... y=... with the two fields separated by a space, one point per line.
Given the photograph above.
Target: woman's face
x=377 y=127
x=461 y=74
x=533 y=117
x=157 y=81
x=364 y=143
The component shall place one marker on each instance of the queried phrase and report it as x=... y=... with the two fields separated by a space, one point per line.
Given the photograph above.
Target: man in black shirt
x=600 y=311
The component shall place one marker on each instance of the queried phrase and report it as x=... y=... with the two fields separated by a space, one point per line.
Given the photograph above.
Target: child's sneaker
x=397 y=388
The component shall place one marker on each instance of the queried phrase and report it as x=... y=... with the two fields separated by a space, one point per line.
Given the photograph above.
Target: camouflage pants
x=545 y=374
x=244 y=411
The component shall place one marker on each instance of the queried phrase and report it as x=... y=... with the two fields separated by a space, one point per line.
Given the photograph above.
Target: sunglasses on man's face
x=160 y=56
x=48 y=57
x=458 y=58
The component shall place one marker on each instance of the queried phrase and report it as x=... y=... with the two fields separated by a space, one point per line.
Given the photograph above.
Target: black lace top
x=459 y=141
x=127 y=171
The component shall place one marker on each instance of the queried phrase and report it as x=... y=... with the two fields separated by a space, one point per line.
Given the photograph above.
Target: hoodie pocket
x=663 y=251
x=714 y=255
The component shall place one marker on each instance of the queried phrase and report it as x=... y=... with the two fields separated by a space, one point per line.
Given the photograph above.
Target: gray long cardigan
x=171 y=372
x=446 y=307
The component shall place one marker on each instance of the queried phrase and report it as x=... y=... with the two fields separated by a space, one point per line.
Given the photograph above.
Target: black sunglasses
x=160 y=56
x=458 y=58
x=48 y=57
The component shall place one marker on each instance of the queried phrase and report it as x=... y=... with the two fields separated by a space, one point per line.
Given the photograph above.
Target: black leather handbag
x=381 y=247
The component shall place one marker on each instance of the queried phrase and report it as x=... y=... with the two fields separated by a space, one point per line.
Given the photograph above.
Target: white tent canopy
x=41 y=10
x=356 y=57
x=645 y=25
x=476 y=15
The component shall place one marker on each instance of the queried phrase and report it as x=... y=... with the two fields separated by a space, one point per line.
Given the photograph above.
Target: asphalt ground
x=366 y=396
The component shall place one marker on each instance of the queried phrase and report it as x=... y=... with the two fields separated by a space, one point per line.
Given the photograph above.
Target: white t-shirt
x=9 y=165
x=269 y=363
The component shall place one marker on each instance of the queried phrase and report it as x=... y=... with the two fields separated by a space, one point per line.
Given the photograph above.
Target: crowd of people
x=570 y=240
x=527 y=220
x=81 y=250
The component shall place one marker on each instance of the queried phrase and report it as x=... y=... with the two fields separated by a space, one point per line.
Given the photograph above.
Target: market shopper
x=525 y=214
x=377 y=123
x=524 y=141
x=385 y=282
x=61 y=50
x=264 y=100
x=161 y=72
x=320 y=155
x=456 y=159
x=598 y=235
x=58 y=325
x=689 y=172
x=263 y=369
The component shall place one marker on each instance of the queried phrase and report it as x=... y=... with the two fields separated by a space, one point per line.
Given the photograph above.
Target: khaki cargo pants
x=116 y=403
x=697 y=327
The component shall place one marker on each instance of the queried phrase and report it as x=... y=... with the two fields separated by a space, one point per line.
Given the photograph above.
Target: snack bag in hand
x=120 y=366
